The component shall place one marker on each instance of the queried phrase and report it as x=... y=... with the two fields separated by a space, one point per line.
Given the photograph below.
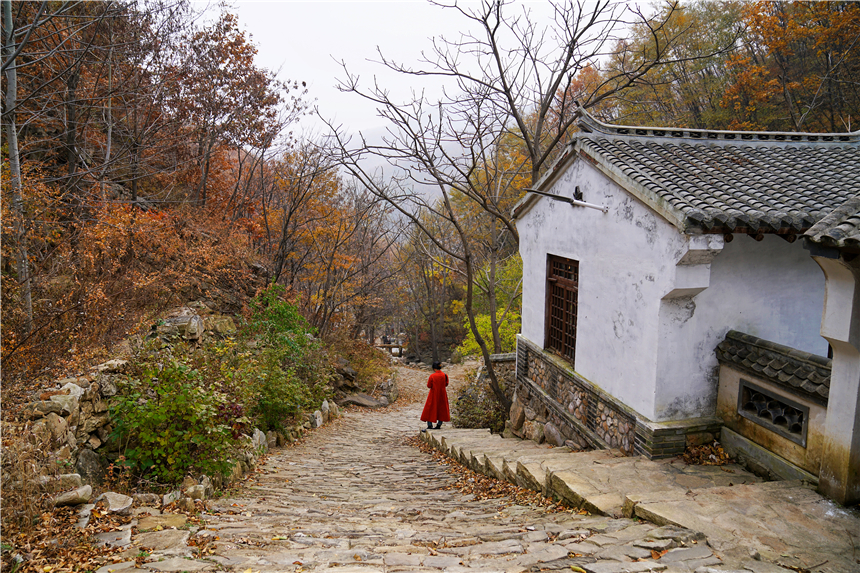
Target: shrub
x=168 y=423
x=508 y=331
x=477 y=407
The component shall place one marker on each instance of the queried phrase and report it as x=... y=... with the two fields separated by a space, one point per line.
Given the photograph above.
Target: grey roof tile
x=840 y=228
x=725 y=181
x=800 y=372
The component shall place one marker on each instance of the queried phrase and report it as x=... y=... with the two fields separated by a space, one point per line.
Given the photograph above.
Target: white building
x=656 y=247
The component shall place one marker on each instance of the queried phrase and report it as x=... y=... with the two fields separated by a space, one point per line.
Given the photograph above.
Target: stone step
x=598 y=481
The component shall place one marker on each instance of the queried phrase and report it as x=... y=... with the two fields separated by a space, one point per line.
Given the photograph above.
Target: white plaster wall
x=771 y=289
x=626 y=261
x=647 y=331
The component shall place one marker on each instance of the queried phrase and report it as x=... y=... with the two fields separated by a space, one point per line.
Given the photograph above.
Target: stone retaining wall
x=550 y=392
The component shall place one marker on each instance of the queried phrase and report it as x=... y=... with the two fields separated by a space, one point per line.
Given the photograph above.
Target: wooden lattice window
x=561 y=306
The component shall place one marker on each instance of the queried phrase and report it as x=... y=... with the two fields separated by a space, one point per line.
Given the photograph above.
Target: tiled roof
x=840 y=228
x=728 y=181
x=800 y=372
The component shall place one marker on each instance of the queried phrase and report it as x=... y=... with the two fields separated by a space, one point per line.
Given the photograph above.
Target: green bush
x=167 y=423
x=508 y=331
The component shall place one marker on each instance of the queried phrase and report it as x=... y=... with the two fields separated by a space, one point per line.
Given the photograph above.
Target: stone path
x=353 y=497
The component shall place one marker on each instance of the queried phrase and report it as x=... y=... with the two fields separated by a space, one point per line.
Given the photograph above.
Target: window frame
x=561 y=341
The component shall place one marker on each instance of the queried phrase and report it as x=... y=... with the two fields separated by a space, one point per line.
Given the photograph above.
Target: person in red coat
x=436 y=406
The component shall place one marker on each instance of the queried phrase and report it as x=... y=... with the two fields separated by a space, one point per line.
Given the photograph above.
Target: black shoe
x=425 y=429
x=438 y=427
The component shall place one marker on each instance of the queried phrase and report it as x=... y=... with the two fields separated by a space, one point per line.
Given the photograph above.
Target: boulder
x=195 y=328
x=316 y=419
x=335 y=410
x=77 y=496
x=259 y=442
x=362 y=400
x=186 y=504
x=89 y=466
x=222 y=325
x=272 y=439
x=170 y=497
x=116 y=502
x=325 y=410
x=61 y=482
x=35 y=410
x=533 y=431
x=553 y=435
x=70 y=405
x=112 y=367
x=188 y=482
x=80 y=382
x=518 y=414
x=147 y=499
x=196 y=492
x=108 y=386
x=73 y=389
x=208 y=490
x=94 y=422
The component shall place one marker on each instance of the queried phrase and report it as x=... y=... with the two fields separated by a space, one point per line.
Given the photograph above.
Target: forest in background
x=148 y=161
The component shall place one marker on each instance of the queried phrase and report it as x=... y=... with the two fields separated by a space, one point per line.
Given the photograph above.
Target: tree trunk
x=23 y=263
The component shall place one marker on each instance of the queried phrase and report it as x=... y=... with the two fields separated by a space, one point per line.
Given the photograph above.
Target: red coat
x=436 y=407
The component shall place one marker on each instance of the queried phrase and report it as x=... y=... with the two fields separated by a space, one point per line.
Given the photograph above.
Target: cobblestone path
x=355 y=497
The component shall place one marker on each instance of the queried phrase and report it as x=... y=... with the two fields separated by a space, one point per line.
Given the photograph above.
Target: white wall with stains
x=654 y=303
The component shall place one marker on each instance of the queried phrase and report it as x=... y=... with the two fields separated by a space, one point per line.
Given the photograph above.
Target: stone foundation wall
x=550 y=393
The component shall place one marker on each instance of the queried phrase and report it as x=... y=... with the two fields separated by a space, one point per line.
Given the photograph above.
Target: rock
x=108 y=386
x=188 y=482
x=195 y=328
x=58 y=427
x=163 y=540
x=80 y=382
x=272 y=439
x=518 y=415
x=77 y=496
x=553 y=435
x=84 y=515
x=316 y=419
x=362 y=400
x=335 y=410
x=61 y=482
x=259 y=442
x=112 y=367
x=529 y=413
x=344 y=369
x=220 y=324
x=170 y=497
x=196 y=492
x=35 y=410
x=325 y=410
x=186 y=504
x=71 y=406
x=116 y=502
x=280 y=439
x=94 y=442
x=93 y=423
x=73 y=388
x=165 y=521
x=114 y=538
x=89 y=466
x=151 y=499
x=208 y=490
x=533 y=431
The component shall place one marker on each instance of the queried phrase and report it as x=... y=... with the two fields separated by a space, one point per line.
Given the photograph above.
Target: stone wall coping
x=507 y=357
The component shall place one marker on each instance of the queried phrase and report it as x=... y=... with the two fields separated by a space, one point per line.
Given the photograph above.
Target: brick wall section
x=586 y=415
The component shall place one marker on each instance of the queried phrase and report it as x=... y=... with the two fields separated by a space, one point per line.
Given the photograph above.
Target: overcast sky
x=305 y=40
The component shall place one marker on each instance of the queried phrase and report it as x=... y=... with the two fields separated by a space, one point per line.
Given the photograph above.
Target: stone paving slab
x=784 y=522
